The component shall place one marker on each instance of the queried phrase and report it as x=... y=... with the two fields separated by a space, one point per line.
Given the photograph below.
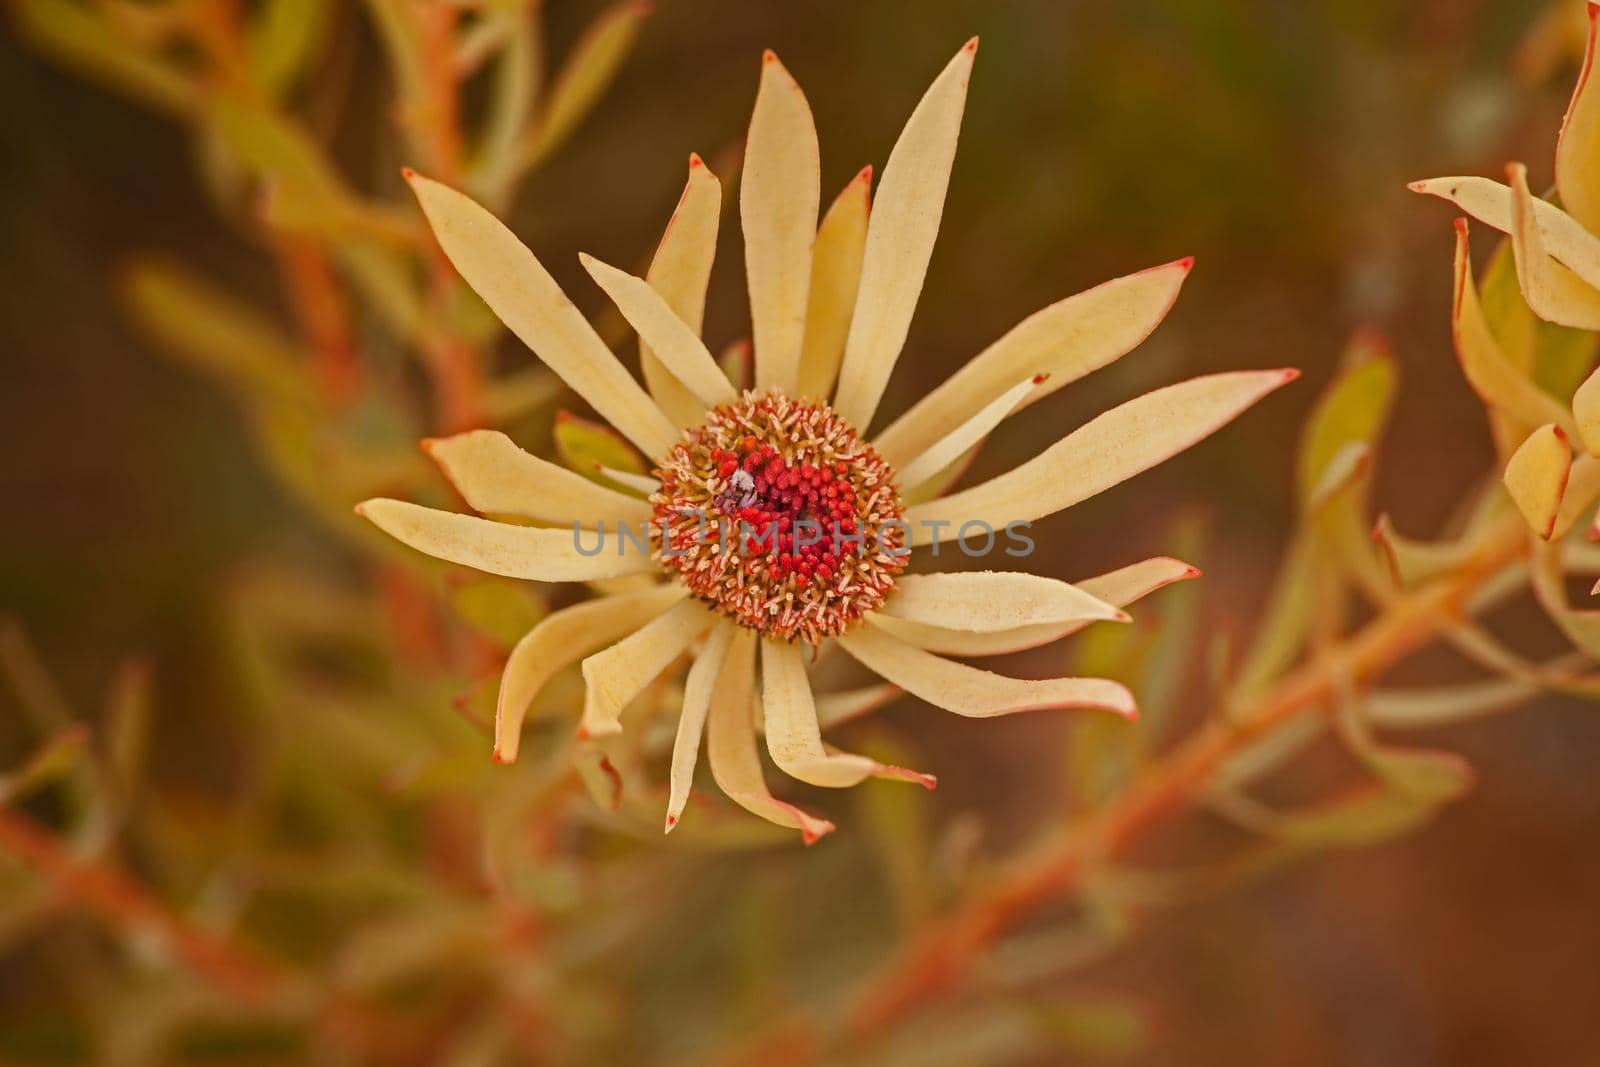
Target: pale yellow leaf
x=515 y=285
x=680 y=272
x=778 y=199
x=731 y=745
x=1490 y=203
x=562 y=638
x=1536 y=477
x=970 y=691
x=900 y=238
x=1492 y=376
x=620 y=673
x=541 y=555
x=496 y=477
x=1578 y=148
x=671 y=340
x=1554 y=293
x=1065 y=341
x=992 y=601
x=950 y=448
x=835 y=278
x=1107 y=450
x=698 y=690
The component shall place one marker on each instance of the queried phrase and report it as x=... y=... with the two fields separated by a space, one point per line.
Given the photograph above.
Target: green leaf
x=586 y=446
x=1511 y=321
x=502 y=611
x=1352 y=410
x=286 y=38
x=589 y=70
x=214 y=333
x=74 y=35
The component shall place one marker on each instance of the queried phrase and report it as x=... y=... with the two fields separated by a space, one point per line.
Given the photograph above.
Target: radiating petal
x=1553 y=292
x=1137 y=580
x=778 y=199
x=991 y=601
x=1536 y=477
x=969 y=691
x=698 y=689
x=541 y=555
x=1065 y=341
x=678 y=347
x=835 y=278
x=900 y=236
x=731 y=744
x=1498 y=383
x=680 y=271
x=960 y=441
x=620 y=673
x=515 y=285
x=1578 y=148
x=496 y=477
x=1120 y=587
x=1109 y=449
x=1490 y=203
x=794 y=739
x=561 y=639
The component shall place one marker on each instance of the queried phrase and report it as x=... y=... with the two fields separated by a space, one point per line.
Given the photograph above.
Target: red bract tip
x=428 y=444
x=1290 y=374
x=583 y=733
x=1039 y=379
x=866 y=174
x=971 y=46
x=1461 y=226
x=695 y=160
x=769 y=56
x=1415 y=187
x=1193 y=572
x=407 y=173
x=1186 y=263
x=497 y=758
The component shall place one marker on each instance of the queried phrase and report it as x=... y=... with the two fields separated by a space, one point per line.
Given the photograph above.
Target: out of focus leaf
x=75 y=35
x=286 y=38
x=586 y=74
x=60 y=756
x=1285 y=626
x=513 y=94
x=1414 y=562
x=215 y=333
x=587 y=446
x=502 y=611
x=1352 y=410
x=897 y=819
x=127 y=725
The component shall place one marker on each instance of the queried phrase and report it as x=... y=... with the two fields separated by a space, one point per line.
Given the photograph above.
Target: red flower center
x=778 y=514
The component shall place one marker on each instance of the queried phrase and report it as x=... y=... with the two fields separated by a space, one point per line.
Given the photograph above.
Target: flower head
x=774 y=522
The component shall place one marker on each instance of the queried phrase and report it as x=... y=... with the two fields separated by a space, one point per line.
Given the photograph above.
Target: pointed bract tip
x=428 y=444
x=695 y=161
x=1193 y=572
x=672 y=822
x=971 y=46
x=583 y=733
x=1515 y=170
x=1040 y=379
x=408 y=174
x=360 y=509
x=1596 y=588
x=587 y=260
x=1185 y=264
x=811 y=833
x=1417 y=186
x=930 y=782
x=498 y=757
x=1120 y=616
x=768 y=56
x=1289 y=374
x=865 y=175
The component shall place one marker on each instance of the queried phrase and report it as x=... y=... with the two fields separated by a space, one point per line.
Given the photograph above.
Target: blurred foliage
x=324 y=866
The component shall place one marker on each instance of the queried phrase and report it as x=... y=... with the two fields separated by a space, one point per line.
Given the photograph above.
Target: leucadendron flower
x=738 y=477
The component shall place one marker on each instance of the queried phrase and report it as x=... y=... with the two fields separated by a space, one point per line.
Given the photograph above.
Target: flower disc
x=775 y=512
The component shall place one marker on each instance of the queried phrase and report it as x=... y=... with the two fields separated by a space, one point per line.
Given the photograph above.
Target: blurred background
x=1272 y=141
